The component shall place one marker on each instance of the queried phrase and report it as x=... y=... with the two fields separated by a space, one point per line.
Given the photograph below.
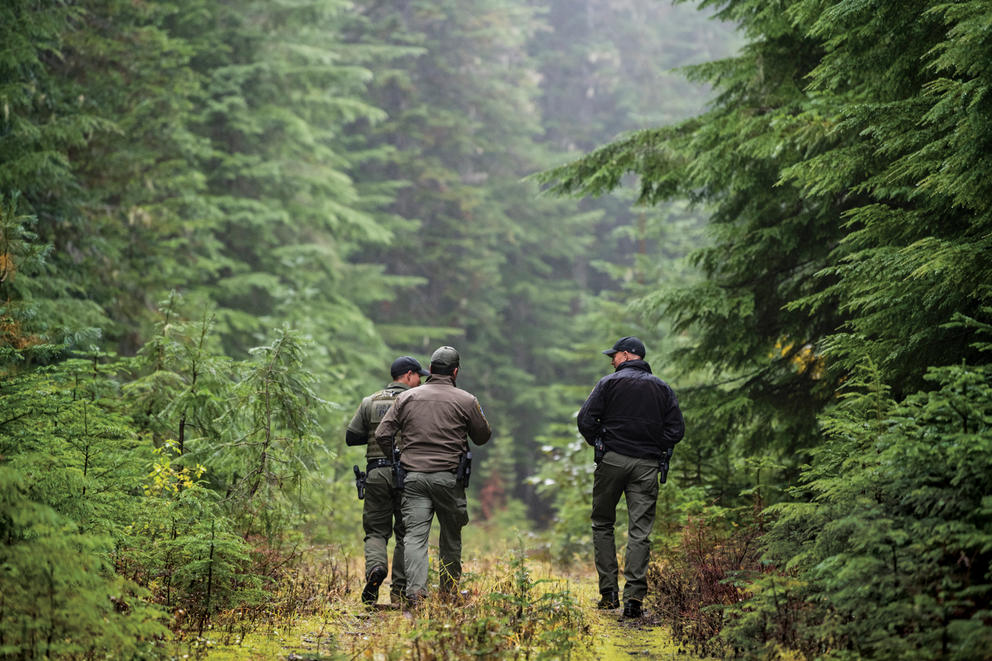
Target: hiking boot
x=370 y=594
x=414 y=601
x=453 y=597
x=632 y=608
x=611 y=599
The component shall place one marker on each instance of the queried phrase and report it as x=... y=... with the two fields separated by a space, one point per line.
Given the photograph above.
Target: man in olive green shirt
x=381 y=512
x=432 y=425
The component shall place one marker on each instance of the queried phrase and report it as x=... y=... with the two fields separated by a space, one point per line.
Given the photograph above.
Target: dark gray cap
x=630 y=344
x=445 y=358
x=405 y=364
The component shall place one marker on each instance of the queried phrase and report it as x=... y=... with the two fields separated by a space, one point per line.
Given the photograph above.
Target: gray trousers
x=424 y=495
x=637 y=480
x=381 y=517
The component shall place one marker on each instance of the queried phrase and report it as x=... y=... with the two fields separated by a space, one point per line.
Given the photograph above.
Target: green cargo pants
x=424 y=495
x=381 y=517
x=637 y=480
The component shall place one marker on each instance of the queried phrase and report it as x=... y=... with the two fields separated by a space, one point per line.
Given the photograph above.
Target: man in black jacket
x=635 y=417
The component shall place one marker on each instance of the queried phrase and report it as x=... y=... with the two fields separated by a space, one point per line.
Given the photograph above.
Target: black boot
x=632 y=608
x=370 y=594
x=611 y=599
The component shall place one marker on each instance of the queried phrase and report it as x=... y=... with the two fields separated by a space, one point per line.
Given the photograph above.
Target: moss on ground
x=346 y=630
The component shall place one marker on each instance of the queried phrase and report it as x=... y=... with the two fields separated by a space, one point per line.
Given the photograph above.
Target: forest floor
x=346 y=630
x=614 y=638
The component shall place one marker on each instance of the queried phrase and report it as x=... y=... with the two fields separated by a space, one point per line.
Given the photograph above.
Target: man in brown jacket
x=434 y=424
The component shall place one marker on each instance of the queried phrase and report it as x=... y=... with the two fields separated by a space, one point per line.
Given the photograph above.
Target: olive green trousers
x=381 y=517
x=637 y=480
x=424 y=495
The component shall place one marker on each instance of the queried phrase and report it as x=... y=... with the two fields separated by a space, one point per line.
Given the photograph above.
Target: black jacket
x=635 y=412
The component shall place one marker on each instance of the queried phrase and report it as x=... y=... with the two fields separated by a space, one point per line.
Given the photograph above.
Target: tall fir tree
x=845 y=163
x=462 y=120
x=766 y=386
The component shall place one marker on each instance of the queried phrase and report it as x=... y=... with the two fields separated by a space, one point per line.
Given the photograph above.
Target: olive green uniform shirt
x=368 y=416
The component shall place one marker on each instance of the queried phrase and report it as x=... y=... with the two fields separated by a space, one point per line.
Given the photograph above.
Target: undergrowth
x=704 y=571
x=501 y=612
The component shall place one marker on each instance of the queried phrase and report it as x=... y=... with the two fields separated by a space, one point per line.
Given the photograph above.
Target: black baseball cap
x=405 y=364
x=630 y=344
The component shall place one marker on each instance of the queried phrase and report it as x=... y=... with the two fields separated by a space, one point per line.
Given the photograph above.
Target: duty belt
x=378 y=463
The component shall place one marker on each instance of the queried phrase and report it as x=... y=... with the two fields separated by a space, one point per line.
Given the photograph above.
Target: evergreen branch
x=16 y=417
x=751 y=378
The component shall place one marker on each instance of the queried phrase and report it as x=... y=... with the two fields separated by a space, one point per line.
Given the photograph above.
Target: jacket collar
x=441 y=380
x=396 y=384
x=641 y=365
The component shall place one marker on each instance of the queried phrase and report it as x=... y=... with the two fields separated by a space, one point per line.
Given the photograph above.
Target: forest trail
x=349 y=631
x=614 y=638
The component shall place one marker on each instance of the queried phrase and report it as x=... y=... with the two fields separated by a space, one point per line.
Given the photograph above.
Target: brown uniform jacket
x=435 y=420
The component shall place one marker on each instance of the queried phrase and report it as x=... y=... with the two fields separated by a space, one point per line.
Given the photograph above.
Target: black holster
x=666 y=458
x=399 y=473
x=598 y=449
x=464 y=470
x=360 y=483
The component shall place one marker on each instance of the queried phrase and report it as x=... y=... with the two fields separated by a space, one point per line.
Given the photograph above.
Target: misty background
x=357 y=173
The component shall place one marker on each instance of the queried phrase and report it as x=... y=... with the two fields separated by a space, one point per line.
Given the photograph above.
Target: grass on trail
x=616 y=639
x=511 y=607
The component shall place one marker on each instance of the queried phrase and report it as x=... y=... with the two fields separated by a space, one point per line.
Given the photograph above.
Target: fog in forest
x=221 y=222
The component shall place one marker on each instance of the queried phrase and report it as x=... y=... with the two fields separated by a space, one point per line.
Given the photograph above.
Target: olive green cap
x=444 y=359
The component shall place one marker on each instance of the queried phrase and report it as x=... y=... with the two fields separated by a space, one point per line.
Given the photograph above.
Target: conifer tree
x=60 y=597
x=490 y=96
x=766 y=243
x=910 y=152
x=286 y=212
x=887 y=554
x=845 y=163
x=462 y=118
